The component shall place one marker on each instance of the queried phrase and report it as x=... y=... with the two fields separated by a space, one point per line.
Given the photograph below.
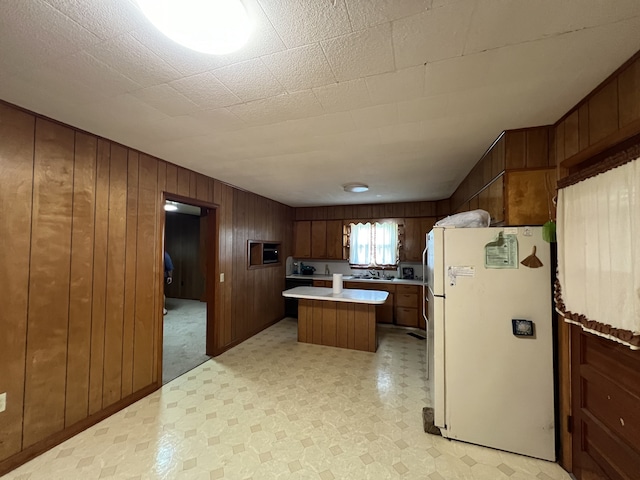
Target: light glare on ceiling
x=355 y=187
x=209 y=26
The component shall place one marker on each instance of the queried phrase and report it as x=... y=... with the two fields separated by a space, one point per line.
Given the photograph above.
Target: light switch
x=3 y=401
x=222 y=278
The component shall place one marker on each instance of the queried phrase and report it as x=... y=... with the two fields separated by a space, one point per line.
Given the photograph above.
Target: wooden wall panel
x=81 y=292
x=16 y=172
x=145 y=278
x=182 y=238
x=202 y=188
x=629 y=95
x=46 y=365
x=99 y=276
x=116 y=245
x=183 y=182
x=603 y=112
x=91 y=334
x=537 y=147
x=605 y=118
x=572 y=134
x=583 y=127
x=130 y=273
x=172 y=178
x=516 y=149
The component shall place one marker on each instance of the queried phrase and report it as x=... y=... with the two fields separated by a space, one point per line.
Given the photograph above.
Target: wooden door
x=606 y=417
x=302 y=239
x=319 y=239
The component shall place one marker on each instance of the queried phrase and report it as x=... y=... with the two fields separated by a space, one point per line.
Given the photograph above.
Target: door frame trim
x=212 y=262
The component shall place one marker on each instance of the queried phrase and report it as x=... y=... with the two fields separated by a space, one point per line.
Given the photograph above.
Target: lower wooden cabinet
x=408 y=311
x=384 y=312
x=402 y=306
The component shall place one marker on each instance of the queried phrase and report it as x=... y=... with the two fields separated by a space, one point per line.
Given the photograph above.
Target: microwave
x=270 y=254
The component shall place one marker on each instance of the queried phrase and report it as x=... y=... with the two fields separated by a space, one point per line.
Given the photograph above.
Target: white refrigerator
x=490 y=338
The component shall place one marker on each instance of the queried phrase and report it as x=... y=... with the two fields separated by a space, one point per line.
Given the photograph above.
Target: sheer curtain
x=360 y=244
x=375 y=244
x=386 y=242
x=599 y=253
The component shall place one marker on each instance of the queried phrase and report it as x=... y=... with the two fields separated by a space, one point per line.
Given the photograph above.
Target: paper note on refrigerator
x=455 y=272
x=502 y=252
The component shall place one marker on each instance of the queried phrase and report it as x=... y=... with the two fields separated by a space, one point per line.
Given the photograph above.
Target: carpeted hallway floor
x=185 y=329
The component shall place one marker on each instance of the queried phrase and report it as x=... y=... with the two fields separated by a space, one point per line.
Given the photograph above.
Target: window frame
x=374 y=266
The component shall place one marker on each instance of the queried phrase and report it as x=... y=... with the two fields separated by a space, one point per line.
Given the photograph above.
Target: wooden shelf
x=262 y=253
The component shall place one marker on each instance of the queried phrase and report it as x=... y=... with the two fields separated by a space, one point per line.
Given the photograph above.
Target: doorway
x=187 y=305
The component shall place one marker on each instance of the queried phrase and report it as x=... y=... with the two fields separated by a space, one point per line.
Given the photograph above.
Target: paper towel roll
x=337 y=283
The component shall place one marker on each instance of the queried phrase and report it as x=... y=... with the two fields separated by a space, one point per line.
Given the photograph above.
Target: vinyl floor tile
x=272 y=408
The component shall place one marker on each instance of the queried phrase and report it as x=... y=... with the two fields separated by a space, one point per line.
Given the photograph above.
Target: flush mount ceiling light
x=208 y=26
x=170 y=206
x=355 y=187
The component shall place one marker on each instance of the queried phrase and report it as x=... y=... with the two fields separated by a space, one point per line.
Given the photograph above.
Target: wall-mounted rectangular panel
x=16 y=172
x=81 y=291
x=46 y=362
x=116 y=246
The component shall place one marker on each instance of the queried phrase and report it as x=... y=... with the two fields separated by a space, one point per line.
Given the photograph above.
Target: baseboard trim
x=57 y=438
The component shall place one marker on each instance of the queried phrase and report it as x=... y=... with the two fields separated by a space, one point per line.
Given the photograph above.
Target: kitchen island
x=345 y=320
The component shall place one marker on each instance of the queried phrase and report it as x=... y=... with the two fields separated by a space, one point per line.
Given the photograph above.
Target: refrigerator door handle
x=424 y=302
x=424 y=284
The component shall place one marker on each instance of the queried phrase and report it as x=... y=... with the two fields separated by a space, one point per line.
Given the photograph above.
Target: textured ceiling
x=404 y=95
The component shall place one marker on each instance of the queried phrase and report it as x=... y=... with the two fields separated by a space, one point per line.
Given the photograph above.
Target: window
x=373 y=245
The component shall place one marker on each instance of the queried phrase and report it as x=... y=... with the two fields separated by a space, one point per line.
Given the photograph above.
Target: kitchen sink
x=370 y=277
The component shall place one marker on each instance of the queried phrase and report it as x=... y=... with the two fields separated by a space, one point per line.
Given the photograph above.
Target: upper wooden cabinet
x=319 y=239
x=334 y=239
x=414 y=241
x=302 y=239
x=514 y=180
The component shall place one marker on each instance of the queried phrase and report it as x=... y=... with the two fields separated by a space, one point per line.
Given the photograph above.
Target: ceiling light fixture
x=209 y=26
x=170 y=206
x=355 y=187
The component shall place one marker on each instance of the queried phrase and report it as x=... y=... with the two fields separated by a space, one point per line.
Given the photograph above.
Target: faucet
x=373 y=273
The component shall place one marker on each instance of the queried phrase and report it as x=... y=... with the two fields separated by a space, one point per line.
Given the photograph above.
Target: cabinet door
x=302 y=239
x=384 y=312
x=415 y=234
x=334 y=239
x=319 y=239
x=407 y=317
x=411 y=245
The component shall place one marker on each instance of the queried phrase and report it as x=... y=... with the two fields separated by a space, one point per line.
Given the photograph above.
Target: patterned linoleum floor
x=275 y=409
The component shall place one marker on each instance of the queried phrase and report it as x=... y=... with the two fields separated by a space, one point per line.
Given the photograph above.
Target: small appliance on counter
x=407 y=273
x=306 y=269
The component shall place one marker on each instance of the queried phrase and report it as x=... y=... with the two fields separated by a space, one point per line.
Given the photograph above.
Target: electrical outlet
x=222 y=278
x=3 y=401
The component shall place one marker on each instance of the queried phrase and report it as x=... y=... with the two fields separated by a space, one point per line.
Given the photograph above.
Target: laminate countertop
x=350 y=295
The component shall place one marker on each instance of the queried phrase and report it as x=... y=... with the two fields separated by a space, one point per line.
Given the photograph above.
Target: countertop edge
x=351 y=295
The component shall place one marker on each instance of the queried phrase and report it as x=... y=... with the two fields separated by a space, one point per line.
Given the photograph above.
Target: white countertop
x=350 y=295
x=350 y=278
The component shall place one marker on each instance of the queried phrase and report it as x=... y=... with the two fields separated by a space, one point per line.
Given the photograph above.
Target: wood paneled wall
x=81 y=280
x=182 y=243
x=516 y=158
x=375 y=210
x=607 y=117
